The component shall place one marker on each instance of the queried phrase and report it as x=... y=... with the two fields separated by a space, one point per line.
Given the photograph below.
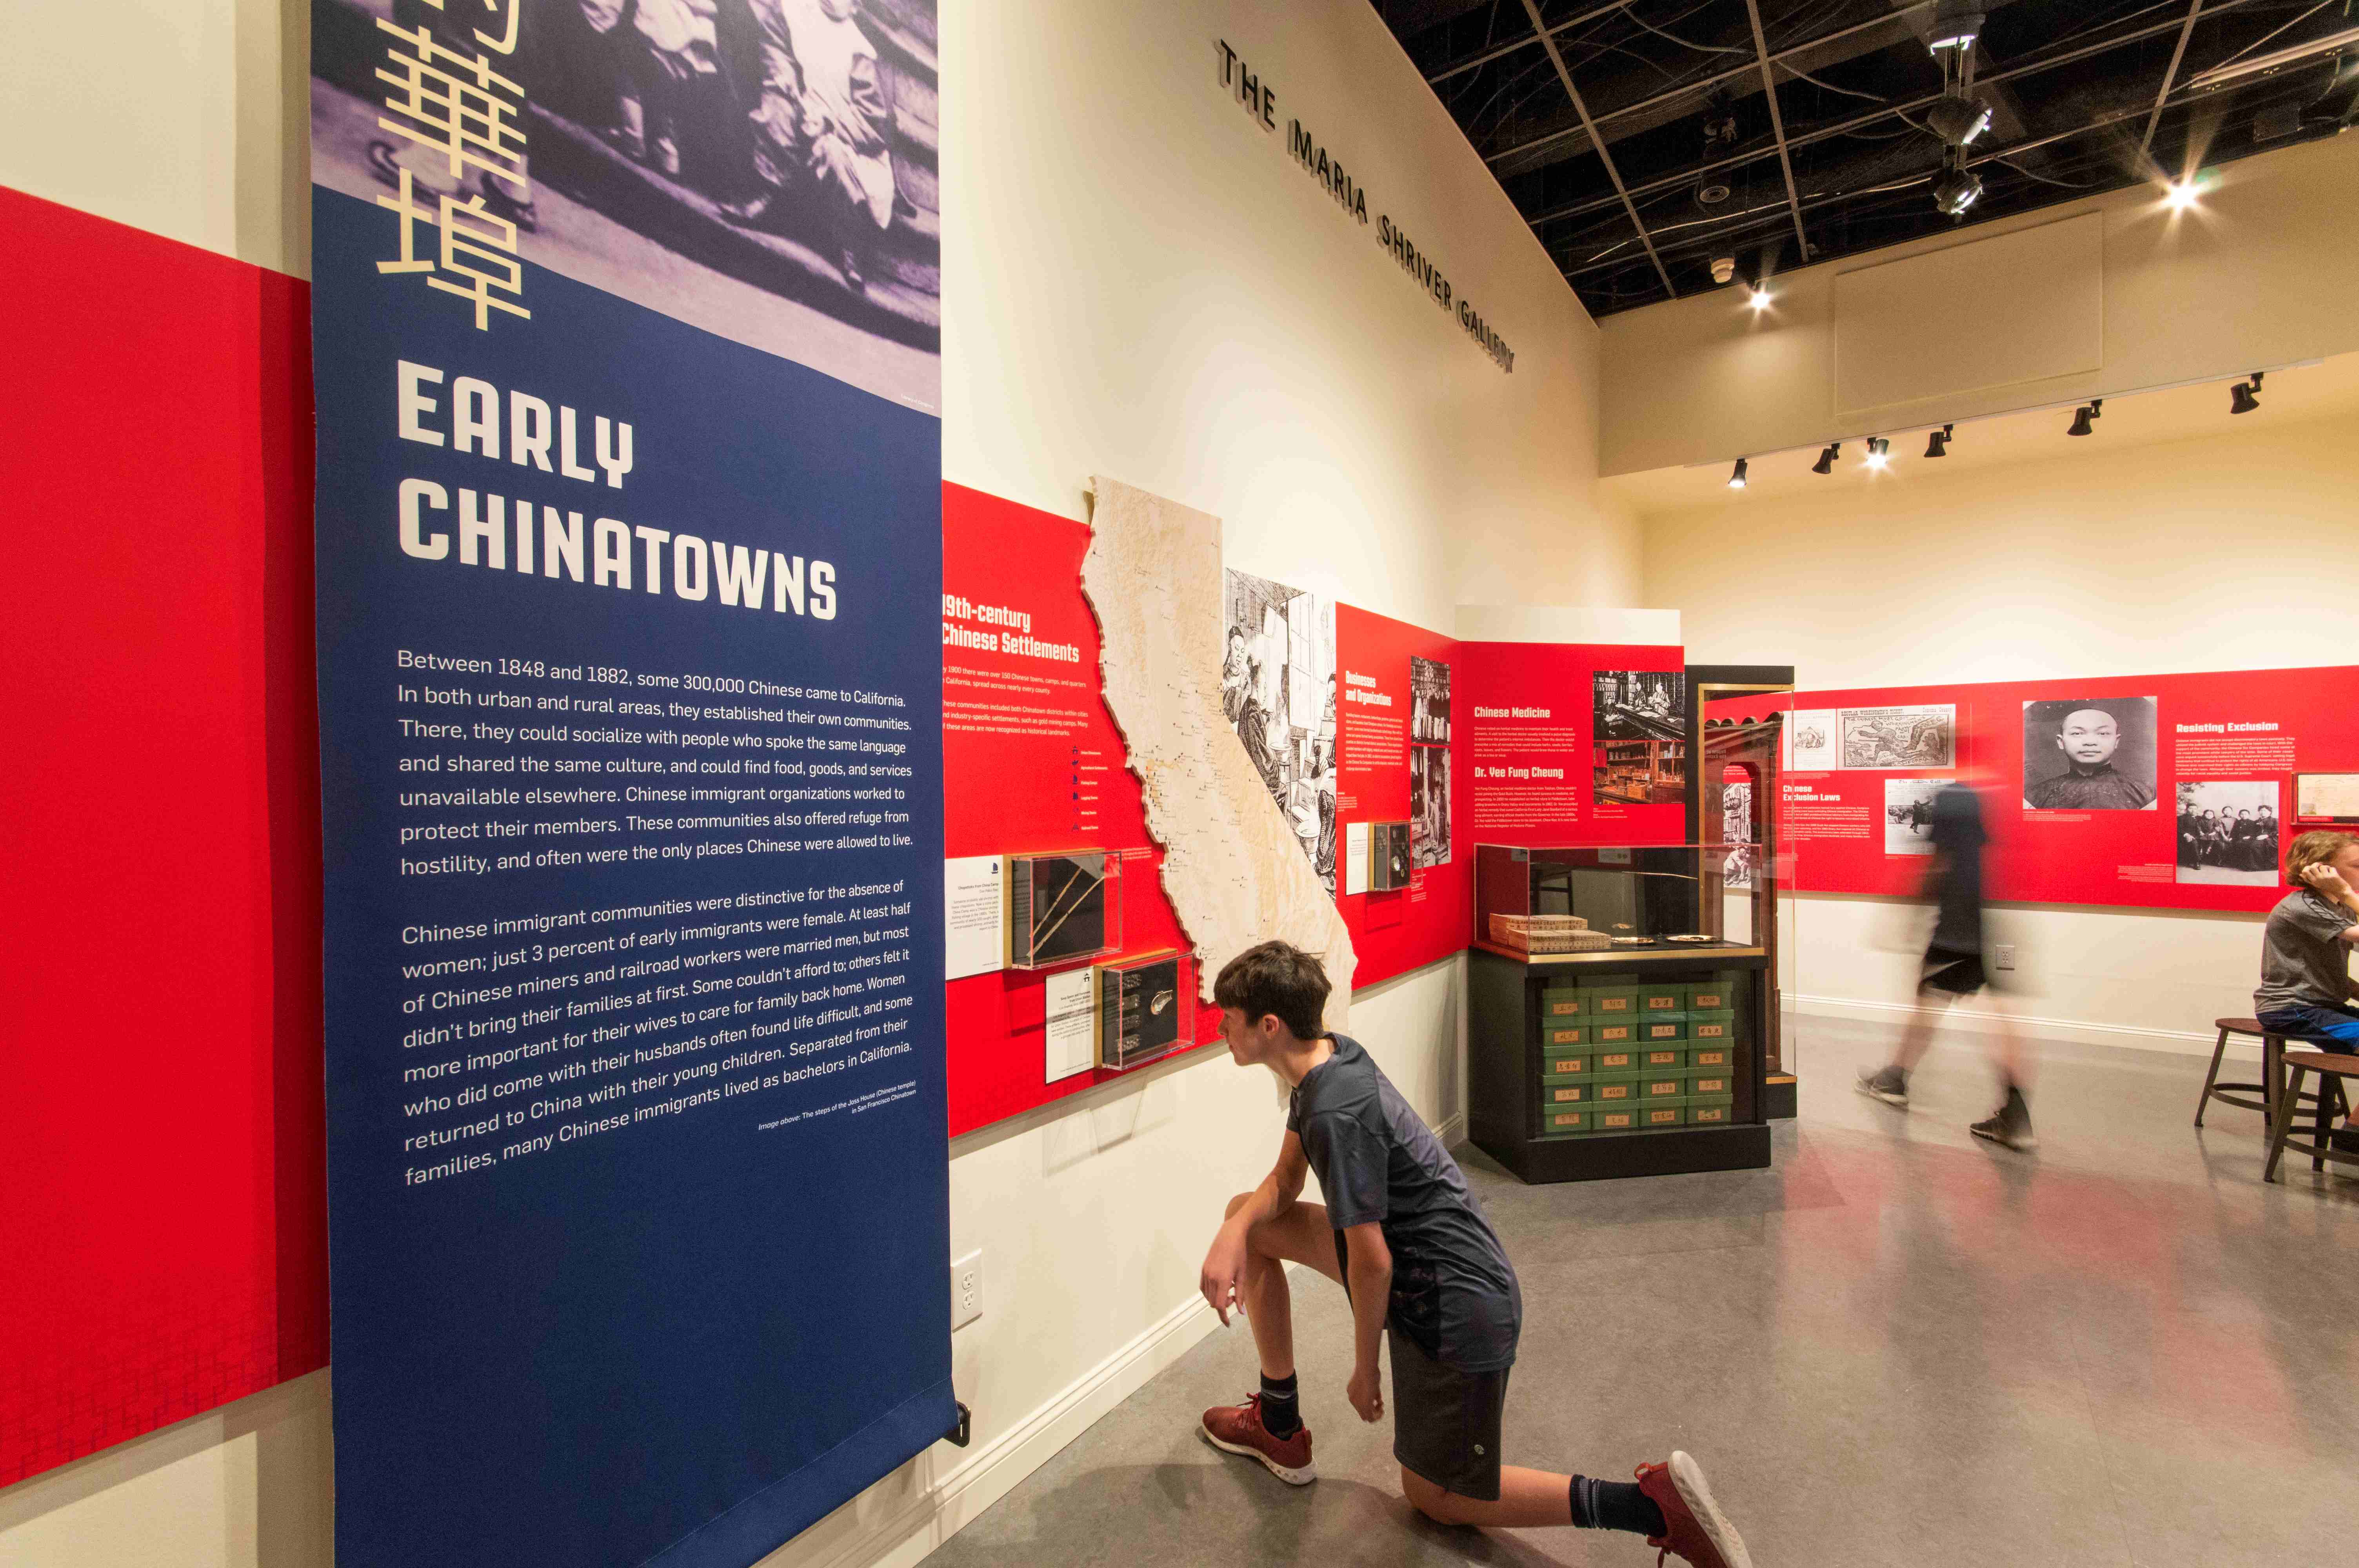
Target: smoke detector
x=1723 y=268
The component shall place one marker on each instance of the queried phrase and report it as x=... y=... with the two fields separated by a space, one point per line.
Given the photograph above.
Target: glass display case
x=1062 y=908
x=1609 y=902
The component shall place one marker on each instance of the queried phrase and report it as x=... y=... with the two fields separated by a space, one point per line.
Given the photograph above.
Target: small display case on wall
x=1145 y=1009
x=1391 y=861
x=1062 y=908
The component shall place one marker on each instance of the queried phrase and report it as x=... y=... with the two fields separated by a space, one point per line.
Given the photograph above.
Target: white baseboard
x=1977 y=1020
x=959 y=1494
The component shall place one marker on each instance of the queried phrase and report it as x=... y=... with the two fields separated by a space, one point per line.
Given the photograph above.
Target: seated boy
x=2306 y=992
x=1403 y=1237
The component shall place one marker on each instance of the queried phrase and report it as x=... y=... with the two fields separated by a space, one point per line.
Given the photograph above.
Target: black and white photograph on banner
x=1908 y=814
x=1639 y=735
x=1428 y=803
x=1428 y=688
x=2088 y=754
x=1277 y=689
x=2228 y=832
x=1736 y=834
x=764 y=170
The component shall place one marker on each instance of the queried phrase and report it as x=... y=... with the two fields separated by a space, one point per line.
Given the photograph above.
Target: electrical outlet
x=2003 y=955
x=966 y=1289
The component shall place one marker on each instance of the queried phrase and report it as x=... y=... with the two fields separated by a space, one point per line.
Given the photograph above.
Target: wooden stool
x=2272 y=1073
x=2332 y=1068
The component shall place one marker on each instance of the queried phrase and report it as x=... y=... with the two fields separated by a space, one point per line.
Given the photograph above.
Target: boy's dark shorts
x=1446 y=1421
x=1958 y=974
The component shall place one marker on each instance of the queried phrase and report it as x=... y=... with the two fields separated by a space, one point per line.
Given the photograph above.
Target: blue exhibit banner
x=631 y=738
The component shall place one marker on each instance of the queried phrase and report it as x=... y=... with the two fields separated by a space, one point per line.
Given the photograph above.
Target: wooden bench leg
x=2281 y=1123
x=2272 y=1071
x=2204 y=1099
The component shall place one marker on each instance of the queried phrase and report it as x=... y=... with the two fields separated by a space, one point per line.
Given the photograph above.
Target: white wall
x=2181 y=556
x=2261 y=275
x=1139 y=283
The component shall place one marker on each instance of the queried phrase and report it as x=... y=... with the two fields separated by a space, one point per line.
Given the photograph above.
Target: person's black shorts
x=1958 y=974
x=1446 y=1421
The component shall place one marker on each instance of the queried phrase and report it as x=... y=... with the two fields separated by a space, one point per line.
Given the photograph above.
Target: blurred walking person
x=1953 y=968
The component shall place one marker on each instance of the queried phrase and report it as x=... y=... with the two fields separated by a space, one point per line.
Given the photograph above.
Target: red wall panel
x=160 y=1139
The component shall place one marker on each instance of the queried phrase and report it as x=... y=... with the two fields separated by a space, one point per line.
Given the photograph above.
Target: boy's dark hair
x=1279 y=979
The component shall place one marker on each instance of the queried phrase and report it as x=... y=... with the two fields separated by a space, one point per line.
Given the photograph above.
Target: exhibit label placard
x=631 y=739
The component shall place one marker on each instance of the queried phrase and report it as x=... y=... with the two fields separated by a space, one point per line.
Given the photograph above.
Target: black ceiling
x=2087 y=95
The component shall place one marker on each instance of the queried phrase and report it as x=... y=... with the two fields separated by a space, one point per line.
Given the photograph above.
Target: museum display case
x=1145 y=1009
x=1062 y=908
x=1616 y=1004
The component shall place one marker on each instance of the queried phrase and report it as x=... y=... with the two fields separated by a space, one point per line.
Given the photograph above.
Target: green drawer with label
x=1611 y=1003
x=1663 y=1087
x=1556 y=1096
x=1614 y=1119
x=1663 y=1001
x=1652 y=1116
x=1705 y=1026
x=1572 y=1064
x=1720 y=1058
x=1662 y=1031
x=1710 y=1115
x=1562 y=1122
x=1712 y=1087
x=1558 y=1036
x=1614 y=1091
x=1663 y=1059
x=1718 y=995
x=1606 y=1036
x=1621 y=1061
x=1563 y=1002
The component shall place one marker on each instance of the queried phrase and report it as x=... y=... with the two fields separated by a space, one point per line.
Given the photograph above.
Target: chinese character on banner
x=466 y=116
x=485 y=256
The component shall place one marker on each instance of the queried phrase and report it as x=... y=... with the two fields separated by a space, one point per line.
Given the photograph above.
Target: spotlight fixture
x=1760 y=299
x=2245 y=396
x=1958 y=119
x=1936 y=443
x=1879 y=451
x=1826 y=463
x=1956 y=25
x=2085 y=417
x=1736 y=479
x=2179 y=194
x=1958 y=189
x=1723 y=268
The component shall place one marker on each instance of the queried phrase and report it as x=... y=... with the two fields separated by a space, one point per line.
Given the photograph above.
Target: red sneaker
x=1693 y=1525
x=1237 y=1429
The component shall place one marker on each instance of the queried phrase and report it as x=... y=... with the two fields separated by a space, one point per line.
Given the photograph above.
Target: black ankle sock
x=1614 y=1505
x=1281 y=1411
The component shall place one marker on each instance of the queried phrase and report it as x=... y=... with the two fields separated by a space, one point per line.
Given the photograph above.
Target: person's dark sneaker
x=1889 y=1085
x=2010 y=1125
x=1693 y=1527
x=1237 y=1429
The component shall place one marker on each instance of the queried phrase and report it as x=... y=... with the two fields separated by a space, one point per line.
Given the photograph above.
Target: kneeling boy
x=1402 y=1234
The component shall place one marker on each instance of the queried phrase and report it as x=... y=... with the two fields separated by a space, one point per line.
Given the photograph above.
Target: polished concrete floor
x=1900 y=1346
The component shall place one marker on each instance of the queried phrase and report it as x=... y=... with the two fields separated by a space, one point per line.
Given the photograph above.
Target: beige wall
x=2263 y=274
x=1139 y=283
x=2190 y=555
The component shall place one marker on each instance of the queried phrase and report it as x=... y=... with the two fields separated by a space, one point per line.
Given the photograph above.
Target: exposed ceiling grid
x=1609 y=126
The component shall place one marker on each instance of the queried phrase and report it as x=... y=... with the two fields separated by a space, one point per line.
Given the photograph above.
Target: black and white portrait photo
x=765 y=169
x=1429 y=697
x=2228 y=832
x=1908 y=814
x=2088 y=754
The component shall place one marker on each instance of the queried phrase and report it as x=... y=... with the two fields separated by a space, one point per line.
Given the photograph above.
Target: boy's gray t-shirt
x=2303 y=964
x=1454 y=1293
